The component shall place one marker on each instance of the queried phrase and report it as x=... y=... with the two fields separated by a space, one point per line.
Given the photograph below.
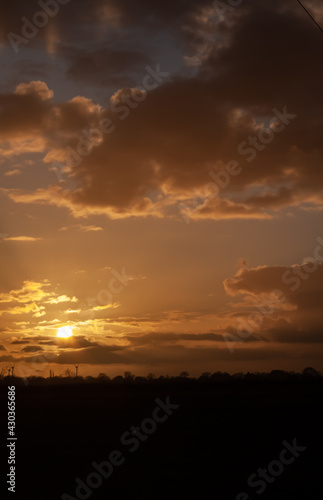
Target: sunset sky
x=161 y=186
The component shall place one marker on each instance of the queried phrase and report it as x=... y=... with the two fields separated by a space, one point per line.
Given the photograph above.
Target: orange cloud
x=27 y=239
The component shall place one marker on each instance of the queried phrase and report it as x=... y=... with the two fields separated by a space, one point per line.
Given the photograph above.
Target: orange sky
x=161 y=193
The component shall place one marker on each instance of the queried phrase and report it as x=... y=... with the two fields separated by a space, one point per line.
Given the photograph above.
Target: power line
x=307 y=12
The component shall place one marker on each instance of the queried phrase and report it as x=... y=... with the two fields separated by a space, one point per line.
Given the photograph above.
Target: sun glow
x=64 y=332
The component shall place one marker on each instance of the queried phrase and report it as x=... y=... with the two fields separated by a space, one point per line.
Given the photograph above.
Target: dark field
x=220 y=435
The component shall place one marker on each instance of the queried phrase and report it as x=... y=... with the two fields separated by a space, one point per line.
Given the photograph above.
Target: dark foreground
x=221 y=436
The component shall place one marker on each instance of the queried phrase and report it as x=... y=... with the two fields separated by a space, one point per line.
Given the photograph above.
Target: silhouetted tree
x=129 y=377
x=310 y=372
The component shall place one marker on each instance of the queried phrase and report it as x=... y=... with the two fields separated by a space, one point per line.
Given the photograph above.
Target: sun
x=64 y=332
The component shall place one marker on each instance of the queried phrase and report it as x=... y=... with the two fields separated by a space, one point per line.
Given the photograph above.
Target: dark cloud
x=32 y=348
x=289 y=299
x=164 y=354
x=92 y=355
x=7 y=358
x=100 y=17
x=158 y=338
x=297 y=283
x=289 y=334
x=74 y=342
x=176 y=353
x=106 y=67
x=189 y=125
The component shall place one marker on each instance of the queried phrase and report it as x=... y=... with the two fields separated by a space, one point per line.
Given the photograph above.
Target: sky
x=161 y=186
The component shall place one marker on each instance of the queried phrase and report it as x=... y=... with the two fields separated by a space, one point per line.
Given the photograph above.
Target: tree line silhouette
x=69 y=376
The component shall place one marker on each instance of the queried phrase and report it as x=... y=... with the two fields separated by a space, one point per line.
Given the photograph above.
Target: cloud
x=35 y=88
x=82 y=228
x=34 y=299
x=6 y=358
x=221 y=209
x=74 y=24
x=161 y=154
x=92 y=355
x=75 y=342
x=10 y=173
x=185 y=339
x=293 y=281
x=60 y=298
x=165 y=354
x=87 y=229
x=32 y=348
x=114 y=305
x=105 y=66
x=286 y=300
x=2 y=348
x=223 y=85
x=29 y=292
x=288 y=334
x=27 y=239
